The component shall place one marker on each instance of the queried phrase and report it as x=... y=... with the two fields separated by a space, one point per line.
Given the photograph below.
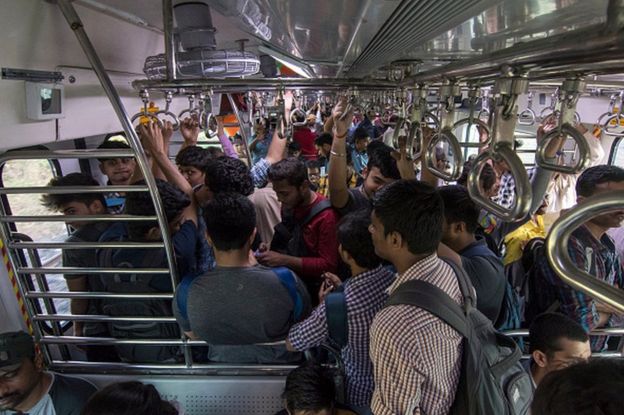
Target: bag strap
x=431 y=298
x=336 y=316
x=182 y=293
x=316 y=209
x=465 y=285
x=289 y=282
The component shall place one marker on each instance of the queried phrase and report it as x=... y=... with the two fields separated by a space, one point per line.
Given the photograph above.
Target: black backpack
x=137 y=283
x=288 y=237
x=539 y=294
x=492 y=379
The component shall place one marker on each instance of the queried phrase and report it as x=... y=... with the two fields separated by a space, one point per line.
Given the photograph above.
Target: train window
x=617 y=153
x=25 y=173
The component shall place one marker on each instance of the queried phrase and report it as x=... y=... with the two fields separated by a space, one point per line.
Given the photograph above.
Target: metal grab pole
x=559 y=258
x=242 y=129
x=76 y=25
x=170 y=52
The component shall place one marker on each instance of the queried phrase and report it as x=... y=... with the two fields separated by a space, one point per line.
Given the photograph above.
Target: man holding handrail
x=592 y=250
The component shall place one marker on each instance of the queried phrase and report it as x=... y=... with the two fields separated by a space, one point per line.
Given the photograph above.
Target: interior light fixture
x=299 y=67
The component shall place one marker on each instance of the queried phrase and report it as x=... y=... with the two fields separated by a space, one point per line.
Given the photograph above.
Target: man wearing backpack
x=484 y=268
x=416 y=356
x=306 y=236
x=592 y=250
x=239 y=303
x=363 y=295
x=420 y=363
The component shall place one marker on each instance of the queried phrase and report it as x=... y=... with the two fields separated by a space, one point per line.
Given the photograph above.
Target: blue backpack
x=510 y=315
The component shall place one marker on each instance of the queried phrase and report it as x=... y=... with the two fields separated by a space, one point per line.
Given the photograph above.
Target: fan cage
x=204 y=63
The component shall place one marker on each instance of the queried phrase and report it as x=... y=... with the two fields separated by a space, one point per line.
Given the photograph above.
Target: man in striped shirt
x=365 y=294
x=416 y=356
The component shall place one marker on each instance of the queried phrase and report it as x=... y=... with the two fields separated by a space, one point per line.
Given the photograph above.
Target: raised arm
x=189 y=128
x=226 y=144
x=152 y=138
x=337 y=174
x=425 y=174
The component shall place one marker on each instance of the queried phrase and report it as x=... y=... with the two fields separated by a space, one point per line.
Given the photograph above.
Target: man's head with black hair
x=174 y=202
x=227 y=174
x=294 y=149
x=309 y=390
x=355 y=241
x=119 y=170
x=406 y=221
x=72 y=204
x=360 y=139
x=488 y=180
x=192 y=162
x=461 y=217
x=323 y=144
x=290 y=181
x=22 y=380
x=599 y=180
x=556 y=341
x=592 y=388
x=230 y=222
x=314 y=172
x=381 y=169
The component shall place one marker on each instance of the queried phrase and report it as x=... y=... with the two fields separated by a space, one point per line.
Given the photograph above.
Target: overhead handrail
x=146 y=113
x=298 y=112
x=417 y=120
x=615 y=119
x=473 y=96
x=610 y=111
x=446 y=106
x=207 y=120
x=558 y=256
x=528 y=117
x=283 y=127
x=554 y=109
x=400 y=113
x=192 y=110
x=167 y=113
x=570 y=92
x=504 y=117
x=353 y=95
x=484 y=113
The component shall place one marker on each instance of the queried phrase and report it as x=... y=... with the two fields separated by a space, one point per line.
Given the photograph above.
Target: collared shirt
x=507 y=191
x=260 y=173
x=516 y=240
x=598 y=258
x=365 y=295
x=360 y=160
x=416 y=356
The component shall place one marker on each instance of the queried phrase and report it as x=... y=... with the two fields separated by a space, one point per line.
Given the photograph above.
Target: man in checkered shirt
x=416 y=356
x=365 y=294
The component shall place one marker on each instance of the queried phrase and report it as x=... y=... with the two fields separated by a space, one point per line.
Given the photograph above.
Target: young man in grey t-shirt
x=240 y=303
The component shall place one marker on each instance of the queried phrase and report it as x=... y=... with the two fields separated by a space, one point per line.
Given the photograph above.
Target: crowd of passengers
x=259 y=249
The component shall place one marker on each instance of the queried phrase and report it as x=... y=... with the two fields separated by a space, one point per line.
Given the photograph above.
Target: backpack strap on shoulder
x=336 y=316
x=316 y=209
x=289 y=282
x=465 y=285
x=182 y=293
x=431 y=298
